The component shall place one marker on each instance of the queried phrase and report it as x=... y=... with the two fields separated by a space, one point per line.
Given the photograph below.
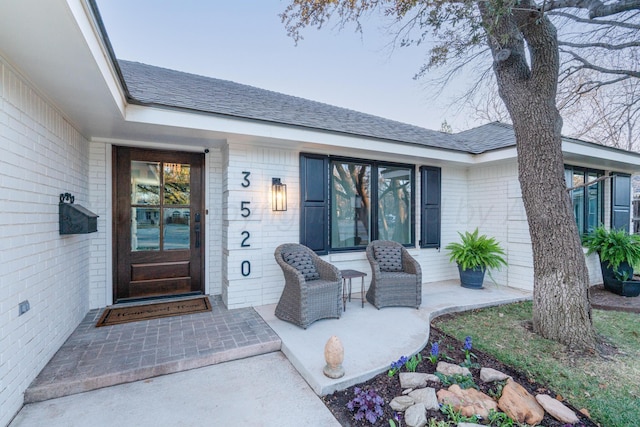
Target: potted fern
x=475 y=254
x=618 y=251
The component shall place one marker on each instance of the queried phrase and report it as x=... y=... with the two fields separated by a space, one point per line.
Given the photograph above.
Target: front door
x=158 y=223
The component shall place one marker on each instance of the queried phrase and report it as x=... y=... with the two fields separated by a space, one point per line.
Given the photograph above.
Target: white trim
x=150 y=145
x=91 y=35
x=109 y=224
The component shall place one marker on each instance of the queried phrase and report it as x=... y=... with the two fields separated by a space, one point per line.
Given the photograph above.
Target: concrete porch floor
x=94 y=358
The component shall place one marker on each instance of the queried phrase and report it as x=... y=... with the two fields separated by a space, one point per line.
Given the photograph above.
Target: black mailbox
x=75 y=219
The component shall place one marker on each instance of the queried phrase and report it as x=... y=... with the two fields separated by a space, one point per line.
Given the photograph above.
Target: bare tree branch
x=596 y=8
x=607 y=46
x=620 y=24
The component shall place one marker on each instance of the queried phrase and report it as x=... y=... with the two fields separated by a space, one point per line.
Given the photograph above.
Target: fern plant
x=476 y=251
x=613 y=246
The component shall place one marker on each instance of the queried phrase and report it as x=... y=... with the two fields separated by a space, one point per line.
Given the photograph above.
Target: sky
x=245 y=41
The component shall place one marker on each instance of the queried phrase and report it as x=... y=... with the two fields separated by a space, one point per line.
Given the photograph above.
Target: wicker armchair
x=396 y=277
x=312 y=289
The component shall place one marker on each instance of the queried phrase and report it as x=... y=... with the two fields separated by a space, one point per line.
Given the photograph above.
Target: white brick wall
x=213 y=267
x=42 y=156
x=100 y=276
x=252 y=276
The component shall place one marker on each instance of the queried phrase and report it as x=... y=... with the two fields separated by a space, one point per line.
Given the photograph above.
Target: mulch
x=603 y=299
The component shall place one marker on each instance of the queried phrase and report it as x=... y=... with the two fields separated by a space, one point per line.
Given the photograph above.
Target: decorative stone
x=489 y=375
x=556 y=409
x=433 y=378
x=415 y=416
x=334 y=356
x=469 y=402
x=519 y=404
x=449 y=369
x=426 y=396
x=407 y=391
x=412 y=379
x=401 y=403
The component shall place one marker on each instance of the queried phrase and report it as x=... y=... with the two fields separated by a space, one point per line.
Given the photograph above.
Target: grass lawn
x=607 y=386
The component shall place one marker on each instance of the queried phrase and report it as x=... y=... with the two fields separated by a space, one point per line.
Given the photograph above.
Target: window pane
x=145 y=183
x=394 y=204
x=145 y=229
x=578 y=199
x=176 y=228
x=593 y=203
x=176 y=184
x=350 y=204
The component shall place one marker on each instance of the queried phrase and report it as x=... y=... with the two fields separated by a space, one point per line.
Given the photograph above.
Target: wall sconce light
x=279 y=195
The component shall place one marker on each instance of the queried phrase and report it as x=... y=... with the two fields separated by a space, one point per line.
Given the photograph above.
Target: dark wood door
x=158 y=223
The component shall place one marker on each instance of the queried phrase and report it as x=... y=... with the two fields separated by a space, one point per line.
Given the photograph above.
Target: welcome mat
x=135 y=313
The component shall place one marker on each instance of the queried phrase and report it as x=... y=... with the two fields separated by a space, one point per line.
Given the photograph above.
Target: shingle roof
x=150 y=85
x=491 y=136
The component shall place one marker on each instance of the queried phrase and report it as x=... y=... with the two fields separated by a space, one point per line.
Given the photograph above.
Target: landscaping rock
x=407 y=391
x=469 y=402
x=401 y=403
x=519 y=404
x=489 y=375
x=413 y=380
x=449 y=369
x=415 y=416
x=556 y=409
x=426 y=396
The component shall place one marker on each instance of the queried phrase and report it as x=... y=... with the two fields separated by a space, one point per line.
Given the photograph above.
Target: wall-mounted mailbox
x=75 y=219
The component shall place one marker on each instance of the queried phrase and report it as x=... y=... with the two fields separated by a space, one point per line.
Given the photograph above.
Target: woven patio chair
x=312 y=289
x=396 y=277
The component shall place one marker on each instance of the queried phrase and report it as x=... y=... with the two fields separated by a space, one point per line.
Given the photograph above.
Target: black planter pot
x=627 y=288
x=623 y=269
x=472 y=278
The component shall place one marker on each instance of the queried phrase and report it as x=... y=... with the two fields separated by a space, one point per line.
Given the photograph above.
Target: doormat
x=117 y=315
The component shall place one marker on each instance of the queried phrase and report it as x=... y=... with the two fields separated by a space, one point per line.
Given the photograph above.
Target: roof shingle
x=150 y=85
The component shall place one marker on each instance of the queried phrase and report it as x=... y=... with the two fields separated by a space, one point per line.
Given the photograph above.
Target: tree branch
x=596 y=8
x=589 y=66
x=575 y=18
x=601 y=45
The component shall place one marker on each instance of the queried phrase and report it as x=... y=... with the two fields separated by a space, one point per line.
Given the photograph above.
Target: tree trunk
x=561 y=308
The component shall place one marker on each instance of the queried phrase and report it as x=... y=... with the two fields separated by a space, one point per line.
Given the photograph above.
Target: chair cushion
x=389 y=257
x=302 y=262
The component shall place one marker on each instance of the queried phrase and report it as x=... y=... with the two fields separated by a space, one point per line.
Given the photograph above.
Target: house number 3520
x=245 y=212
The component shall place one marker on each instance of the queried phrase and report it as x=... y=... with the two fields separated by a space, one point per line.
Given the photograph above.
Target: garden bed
x=389 y=387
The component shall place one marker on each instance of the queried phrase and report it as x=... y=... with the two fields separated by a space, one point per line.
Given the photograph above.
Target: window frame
x=374 y=233
x=374 y=165
x=585 y=197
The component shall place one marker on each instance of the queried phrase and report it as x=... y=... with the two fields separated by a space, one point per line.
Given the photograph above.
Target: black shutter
x=621 y=202
x=430 y=189
x=314 y=202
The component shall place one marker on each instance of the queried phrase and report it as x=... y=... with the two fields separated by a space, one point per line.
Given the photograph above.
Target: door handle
x=197 y=230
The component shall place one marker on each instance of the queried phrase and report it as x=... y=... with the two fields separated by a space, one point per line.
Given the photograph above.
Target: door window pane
x=394 y=204
x=350 y=204
x=176 y=228
x=176 y=184
x=145 y=229
x=145 y=183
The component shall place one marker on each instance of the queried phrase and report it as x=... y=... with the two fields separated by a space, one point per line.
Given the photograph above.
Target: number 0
x=245 y=268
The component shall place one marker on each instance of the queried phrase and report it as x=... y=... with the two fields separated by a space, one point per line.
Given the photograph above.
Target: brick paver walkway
x=99 y=357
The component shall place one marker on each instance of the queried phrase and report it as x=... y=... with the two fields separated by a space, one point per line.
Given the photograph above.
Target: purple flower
x=467 y=344
x=435 y=350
